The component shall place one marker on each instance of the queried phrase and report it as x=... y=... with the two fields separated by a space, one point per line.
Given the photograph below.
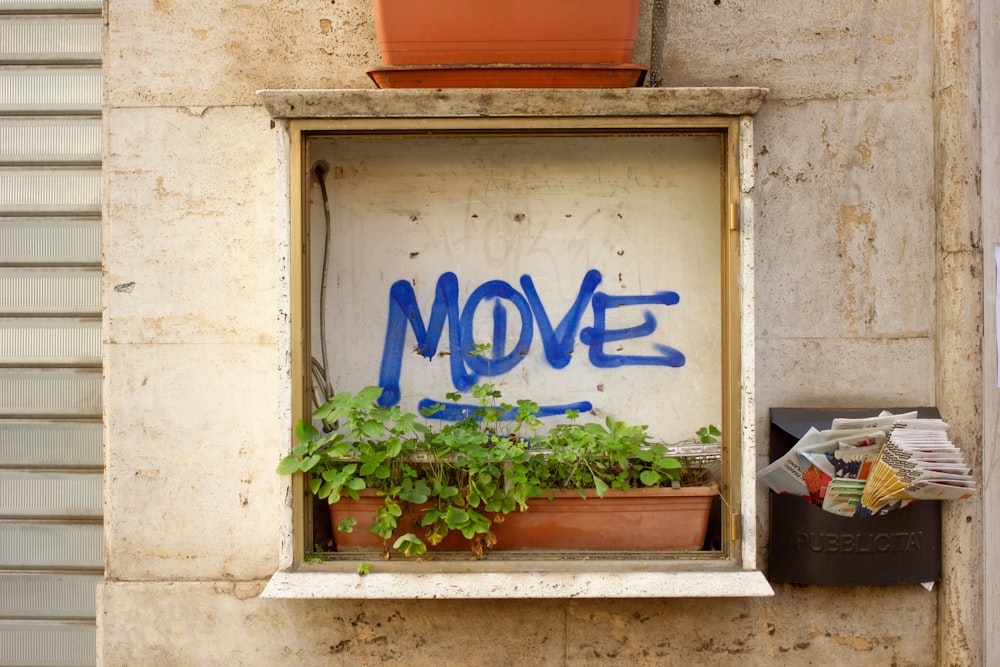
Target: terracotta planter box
x=652 y=519
x=423 y=32
x=508 y=76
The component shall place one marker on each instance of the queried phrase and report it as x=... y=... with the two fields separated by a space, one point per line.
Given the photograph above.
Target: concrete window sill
x=518 y=579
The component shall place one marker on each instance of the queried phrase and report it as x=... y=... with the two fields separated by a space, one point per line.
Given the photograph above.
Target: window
x=602 y=257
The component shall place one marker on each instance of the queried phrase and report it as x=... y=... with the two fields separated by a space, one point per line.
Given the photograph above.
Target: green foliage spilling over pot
x=463 y=475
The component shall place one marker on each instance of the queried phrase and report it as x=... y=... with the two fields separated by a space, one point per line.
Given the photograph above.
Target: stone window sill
x=517 y=579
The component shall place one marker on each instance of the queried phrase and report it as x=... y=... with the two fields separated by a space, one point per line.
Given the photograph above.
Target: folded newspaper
x=867 y=467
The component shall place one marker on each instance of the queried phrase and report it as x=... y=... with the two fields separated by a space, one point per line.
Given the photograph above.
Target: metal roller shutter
x=51 y=554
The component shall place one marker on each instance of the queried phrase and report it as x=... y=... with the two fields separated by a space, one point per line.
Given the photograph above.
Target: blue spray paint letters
x=558 y=344
x=453 y=412
x=597 y=335
x=403 y=311
x=466 y=369
x=497 y=363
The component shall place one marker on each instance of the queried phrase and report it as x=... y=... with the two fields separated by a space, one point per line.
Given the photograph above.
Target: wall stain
x=856 y=643
x=856 y=236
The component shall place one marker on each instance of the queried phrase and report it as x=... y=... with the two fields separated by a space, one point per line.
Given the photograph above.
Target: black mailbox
x=812 y=546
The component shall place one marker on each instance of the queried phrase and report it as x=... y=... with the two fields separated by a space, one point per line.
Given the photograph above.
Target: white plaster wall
x=196 y=355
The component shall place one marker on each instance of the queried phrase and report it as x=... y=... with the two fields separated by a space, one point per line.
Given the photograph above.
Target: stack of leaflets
x=918 y=462
x=866 y=467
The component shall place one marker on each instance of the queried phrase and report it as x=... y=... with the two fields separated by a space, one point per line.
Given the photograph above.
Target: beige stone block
x=212 y=53
x=181 y=623
x=801 y=626
x=845 y=219
x=816 y=372
x=191 y=236
x=174 y=53
x=205 y=623
x=813 y=49
x=193 y=436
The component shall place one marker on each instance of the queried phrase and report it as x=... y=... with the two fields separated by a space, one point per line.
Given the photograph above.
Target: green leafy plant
x=613 y=455
x=463 y=476
x=315 y=556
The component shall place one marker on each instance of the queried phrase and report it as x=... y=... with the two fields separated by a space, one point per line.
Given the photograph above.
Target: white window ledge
x=607 y=582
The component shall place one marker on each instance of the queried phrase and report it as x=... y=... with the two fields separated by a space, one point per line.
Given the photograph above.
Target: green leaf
x=649 y=477
x=305 y=431
x=288 y=465
x=410 y=545
x=372 y=428
x=322 y=412
x=601 y=487
x=364 y=568
x=455 y=517
x=338 y=447
x=393 y=447
x=414 y=496
x=370 y=394
x=668 y=463
x=371 y=462
x=384 y=525
x=448 y=492
x=334 y=414
x=347 y=525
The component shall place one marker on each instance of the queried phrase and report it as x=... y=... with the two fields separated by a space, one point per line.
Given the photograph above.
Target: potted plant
x=515 y=43
x=493 y=479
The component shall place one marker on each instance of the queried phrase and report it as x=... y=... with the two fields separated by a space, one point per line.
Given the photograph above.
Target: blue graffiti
x=453 y=412
x=597 y=335
x=497 y=363
x=403 y=311
x=558 y=343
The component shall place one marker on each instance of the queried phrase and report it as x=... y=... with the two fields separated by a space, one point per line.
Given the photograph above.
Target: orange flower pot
x=507 y=43
x=363 y=512
x=650 y=519
x=423 y=32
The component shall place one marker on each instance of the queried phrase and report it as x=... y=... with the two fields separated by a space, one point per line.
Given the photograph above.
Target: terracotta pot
x=363 y=511
x=508 y=76
x=652 y=519
x=465 y=32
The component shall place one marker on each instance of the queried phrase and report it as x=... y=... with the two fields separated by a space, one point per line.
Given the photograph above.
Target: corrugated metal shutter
x=51 y=554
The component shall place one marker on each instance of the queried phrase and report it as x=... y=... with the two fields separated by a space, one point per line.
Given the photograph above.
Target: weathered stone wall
x=848 y=205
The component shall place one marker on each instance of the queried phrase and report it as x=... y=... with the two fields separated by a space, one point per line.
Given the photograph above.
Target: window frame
x=733 y=574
